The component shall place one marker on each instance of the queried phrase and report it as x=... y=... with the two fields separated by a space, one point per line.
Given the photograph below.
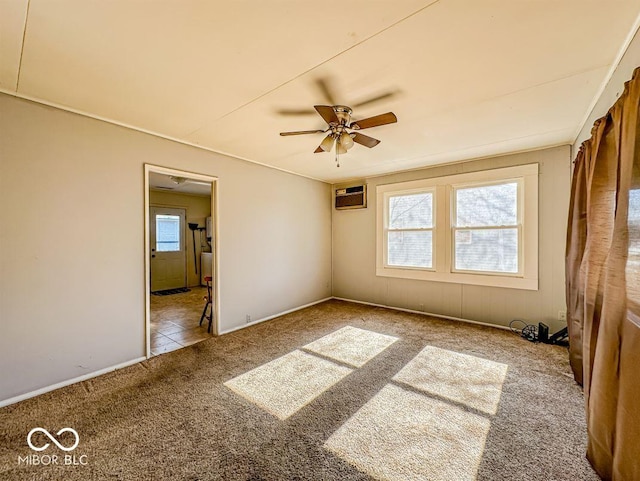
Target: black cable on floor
x=528 y=332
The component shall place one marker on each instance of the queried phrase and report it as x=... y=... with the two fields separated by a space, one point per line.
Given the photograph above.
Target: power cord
x=540 y=333
x=528 y=332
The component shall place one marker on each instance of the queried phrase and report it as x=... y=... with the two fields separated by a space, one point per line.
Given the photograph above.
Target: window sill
x=492 y=280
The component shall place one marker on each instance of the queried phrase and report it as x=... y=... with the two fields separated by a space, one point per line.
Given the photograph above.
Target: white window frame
x=433 y=227
x=444 y=204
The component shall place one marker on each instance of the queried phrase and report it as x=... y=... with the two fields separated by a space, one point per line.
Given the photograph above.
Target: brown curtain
x=603 y=286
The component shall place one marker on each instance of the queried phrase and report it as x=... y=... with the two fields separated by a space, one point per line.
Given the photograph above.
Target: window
x=409 y=235
x=475 y=228
x=167 y=233
x=486 y=228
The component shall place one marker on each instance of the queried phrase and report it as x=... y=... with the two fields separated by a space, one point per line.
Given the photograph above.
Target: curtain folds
x=603 y=286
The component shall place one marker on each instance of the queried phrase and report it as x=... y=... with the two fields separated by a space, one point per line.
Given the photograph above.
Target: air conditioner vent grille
x=351 y=197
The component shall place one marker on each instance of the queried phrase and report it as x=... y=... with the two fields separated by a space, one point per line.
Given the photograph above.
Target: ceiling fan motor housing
x=343 y=113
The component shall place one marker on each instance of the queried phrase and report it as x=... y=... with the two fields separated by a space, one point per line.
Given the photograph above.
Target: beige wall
x=354 y=253
x=198 y=208
x=615 y=86
x=72 y=241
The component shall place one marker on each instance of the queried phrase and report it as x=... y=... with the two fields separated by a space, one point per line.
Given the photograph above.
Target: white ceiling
x=164 y=182
x=476 y=77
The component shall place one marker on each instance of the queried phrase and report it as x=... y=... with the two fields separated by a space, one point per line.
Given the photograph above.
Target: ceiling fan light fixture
x=346 y=141
x=327 y=143
x=177 y=180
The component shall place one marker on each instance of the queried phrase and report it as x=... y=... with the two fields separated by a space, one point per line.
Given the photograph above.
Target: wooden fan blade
x=325 y=87
x=327 y=113
x=382 y=119
x=377 y=98
x=302 y=132
x=365 y=140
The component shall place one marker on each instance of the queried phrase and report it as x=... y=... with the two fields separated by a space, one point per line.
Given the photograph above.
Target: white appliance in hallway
x=209 y=227
x=206 y=263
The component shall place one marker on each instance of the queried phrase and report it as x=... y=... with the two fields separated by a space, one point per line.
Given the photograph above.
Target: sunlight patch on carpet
x=351 y=345
x=469 y=380
x=285 y=385
x=400 y=434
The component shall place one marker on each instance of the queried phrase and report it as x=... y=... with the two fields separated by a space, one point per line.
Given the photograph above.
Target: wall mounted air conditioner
x=351 y=197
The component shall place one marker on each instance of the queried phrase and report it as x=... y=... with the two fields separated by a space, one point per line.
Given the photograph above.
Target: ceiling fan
x=342 y=131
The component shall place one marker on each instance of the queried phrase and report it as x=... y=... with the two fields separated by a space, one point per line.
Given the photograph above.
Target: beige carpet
x=337 y=391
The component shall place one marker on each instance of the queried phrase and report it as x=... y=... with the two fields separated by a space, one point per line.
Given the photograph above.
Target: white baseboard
x=68 y=382
x=459 y=319
x=84 y=377
x=227 y=331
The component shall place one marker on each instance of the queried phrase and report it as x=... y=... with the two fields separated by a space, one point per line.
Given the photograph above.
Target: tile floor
x=175 y=318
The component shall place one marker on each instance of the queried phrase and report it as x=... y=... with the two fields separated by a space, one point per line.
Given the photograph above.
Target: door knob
x=153 y=255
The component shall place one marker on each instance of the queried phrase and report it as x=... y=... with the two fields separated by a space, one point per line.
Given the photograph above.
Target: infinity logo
x=53 y=440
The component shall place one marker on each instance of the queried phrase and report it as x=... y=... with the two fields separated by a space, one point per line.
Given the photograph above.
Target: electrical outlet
x=422 y=307
x=562 y=316
x=248 y=318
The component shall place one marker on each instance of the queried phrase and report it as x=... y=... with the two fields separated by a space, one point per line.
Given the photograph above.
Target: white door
x=168 y=250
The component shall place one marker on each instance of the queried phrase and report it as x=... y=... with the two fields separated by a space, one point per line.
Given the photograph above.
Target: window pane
x=167 y=233
x=489 y=205
x=411 y=211
x=487 y=250
x=410 y=249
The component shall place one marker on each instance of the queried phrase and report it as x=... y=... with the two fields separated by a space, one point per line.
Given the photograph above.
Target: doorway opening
x=181 y=287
